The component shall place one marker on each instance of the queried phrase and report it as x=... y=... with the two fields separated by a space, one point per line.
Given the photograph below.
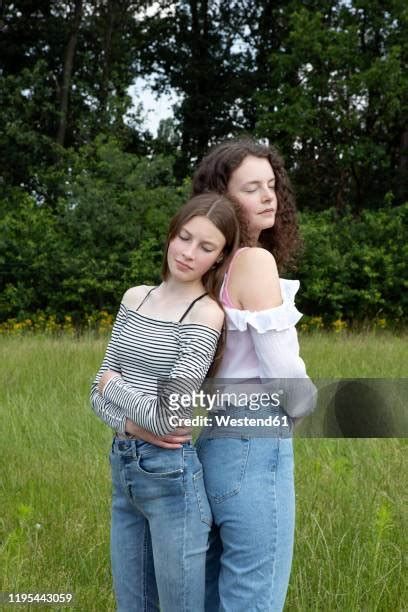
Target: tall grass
x=350 y=549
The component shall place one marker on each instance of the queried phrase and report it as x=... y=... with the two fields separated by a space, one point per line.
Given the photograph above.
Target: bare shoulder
x=206 y=312
x=133 y=296
x=254 y=282
x=255 y=259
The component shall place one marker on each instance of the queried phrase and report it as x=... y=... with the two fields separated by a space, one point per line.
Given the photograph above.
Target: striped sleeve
x=156 y=412
x=109 y=413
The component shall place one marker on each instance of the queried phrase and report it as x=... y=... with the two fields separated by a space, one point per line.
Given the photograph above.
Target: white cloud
x=154 y=108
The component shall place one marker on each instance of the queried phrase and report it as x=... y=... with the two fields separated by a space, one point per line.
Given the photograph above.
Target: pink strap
x=225 y=298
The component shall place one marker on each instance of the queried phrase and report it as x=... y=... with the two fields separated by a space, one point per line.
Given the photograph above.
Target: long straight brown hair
x=224 y=214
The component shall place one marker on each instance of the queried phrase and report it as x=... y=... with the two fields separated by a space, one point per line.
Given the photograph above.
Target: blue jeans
x=250 y=487
x=160 y=525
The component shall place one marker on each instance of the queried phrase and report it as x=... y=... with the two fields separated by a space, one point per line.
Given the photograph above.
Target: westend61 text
x=222 y=420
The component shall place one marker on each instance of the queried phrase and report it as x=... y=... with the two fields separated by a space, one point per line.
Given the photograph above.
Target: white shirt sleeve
x=280 y=363
x=276 y=345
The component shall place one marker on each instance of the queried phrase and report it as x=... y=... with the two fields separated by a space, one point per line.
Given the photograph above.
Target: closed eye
x=253 y=189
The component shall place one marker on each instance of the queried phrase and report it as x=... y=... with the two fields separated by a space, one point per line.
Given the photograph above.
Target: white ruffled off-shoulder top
x=264 y=344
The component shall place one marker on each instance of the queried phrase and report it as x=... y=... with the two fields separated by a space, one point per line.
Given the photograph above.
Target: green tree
x=336 y=102
x=194 y=50
x=65 y=69
x=32 y=251
x=106 y=232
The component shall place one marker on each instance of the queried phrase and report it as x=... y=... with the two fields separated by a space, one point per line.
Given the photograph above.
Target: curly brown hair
x=213 y=174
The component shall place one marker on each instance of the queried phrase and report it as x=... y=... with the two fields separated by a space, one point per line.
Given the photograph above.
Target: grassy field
x=351 y=530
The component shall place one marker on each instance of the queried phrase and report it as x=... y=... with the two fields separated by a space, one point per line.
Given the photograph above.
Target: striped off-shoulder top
x=156 y=360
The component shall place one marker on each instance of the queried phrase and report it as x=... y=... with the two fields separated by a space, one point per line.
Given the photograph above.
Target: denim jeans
x=250 y=487
x=160 y=525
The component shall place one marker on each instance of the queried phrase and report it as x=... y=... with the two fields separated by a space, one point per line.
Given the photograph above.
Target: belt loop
x=186 y=448
x=134 y=449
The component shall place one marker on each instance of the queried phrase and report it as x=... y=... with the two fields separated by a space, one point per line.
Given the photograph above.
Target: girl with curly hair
x=249 y=471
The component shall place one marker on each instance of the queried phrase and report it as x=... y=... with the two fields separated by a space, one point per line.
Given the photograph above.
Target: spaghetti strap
x=231 y=262
x=225 y=298
x=145 y=298
x=191 y=305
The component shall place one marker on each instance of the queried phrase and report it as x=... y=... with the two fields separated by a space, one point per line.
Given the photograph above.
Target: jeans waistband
x=137 y=446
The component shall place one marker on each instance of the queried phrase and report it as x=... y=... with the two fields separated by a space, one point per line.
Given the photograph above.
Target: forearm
x=149 y=411
x=114 y=417
x=111 y=415
x=108 y=412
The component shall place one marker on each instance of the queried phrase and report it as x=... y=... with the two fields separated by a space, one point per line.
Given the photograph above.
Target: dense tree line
x=107 y=233
x=324 y=80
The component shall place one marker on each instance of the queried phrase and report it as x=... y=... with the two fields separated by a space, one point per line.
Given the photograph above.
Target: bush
x=76 y=256
x=354 y=269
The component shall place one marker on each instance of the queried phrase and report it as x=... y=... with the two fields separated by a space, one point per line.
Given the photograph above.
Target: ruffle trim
x=281 y=317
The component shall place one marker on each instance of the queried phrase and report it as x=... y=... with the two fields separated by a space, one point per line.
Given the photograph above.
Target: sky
x=153 y=109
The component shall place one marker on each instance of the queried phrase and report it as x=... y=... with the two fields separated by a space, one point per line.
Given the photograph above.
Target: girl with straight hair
x=163 y=343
